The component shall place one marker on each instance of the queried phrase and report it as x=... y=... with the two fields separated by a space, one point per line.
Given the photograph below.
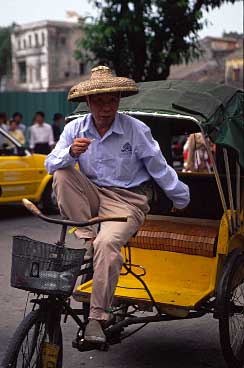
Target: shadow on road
x=13 y=211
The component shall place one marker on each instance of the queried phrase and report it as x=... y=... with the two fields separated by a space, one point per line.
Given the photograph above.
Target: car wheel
x=49 y=201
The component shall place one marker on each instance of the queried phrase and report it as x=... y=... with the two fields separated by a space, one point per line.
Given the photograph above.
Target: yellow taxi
x=23 y=175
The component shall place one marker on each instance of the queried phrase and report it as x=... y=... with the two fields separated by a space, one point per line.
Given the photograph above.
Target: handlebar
x=95 y=220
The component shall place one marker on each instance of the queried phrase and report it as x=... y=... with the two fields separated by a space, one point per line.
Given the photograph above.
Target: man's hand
x=79 y=146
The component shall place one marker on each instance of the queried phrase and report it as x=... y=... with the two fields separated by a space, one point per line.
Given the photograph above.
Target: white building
x=43 y=55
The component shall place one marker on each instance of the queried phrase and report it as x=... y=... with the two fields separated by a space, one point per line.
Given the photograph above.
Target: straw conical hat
x=102 y=81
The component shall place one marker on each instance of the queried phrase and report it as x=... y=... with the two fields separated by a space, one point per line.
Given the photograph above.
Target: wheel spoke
x=231 y=309
x=238 y=337
x=25 y=349
x=30 y=351
x=236 y=313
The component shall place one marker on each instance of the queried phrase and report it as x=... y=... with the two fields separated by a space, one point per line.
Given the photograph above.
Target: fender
x=43 y=184
x=236 y=241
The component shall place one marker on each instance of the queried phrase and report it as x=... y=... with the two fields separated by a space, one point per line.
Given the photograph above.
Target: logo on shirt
x=126 y=148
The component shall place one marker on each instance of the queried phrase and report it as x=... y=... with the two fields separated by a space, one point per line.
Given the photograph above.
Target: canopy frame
x=215 y=170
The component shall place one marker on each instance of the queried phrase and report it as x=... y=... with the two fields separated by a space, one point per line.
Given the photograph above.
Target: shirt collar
x=115 y=128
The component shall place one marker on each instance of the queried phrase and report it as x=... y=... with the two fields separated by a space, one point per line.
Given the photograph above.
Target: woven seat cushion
x=176 y=237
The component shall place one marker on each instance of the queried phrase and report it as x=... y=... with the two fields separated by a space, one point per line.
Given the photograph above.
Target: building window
x=38 y=73
x=30 y=41
x=19 y=45
x=24 y=44
x=236 y=74
x=43 y=39
x=36 y=40
x=30 y=74
x=22 y=72
x=82 y=68
x=63 y=41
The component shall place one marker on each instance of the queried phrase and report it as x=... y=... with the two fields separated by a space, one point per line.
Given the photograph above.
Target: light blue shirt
x=126 y=156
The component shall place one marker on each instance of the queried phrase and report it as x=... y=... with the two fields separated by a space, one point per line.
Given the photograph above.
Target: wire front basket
x=44 y=268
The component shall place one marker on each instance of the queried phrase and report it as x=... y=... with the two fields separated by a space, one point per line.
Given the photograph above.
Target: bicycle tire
x=33 y=319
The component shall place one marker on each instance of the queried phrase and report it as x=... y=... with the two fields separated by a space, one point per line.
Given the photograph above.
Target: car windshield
x=7 y=147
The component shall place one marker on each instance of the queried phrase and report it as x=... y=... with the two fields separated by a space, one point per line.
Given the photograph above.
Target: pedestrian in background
x=4 y=126
x=41 y=135
x=3 y=120
x=58 y=120
x=197 y=158
x=18 y=118
x=15 y=132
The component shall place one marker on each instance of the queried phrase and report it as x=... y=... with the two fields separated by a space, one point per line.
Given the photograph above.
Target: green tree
x=143 y=38
x=236 y=35
x=5 y=51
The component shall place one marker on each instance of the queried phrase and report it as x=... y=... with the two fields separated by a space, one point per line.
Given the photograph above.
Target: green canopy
x=219 y=109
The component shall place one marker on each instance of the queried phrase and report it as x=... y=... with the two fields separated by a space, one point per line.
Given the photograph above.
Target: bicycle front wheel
x=34 y=342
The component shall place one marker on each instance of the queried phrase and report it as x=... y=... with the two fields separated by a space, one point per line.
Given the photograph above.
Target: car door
x=18 y=176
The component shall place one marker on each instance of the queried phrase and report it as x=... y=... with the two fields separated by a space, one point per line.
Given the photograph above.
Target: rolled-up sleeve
x=164 y=175
x=60 y=156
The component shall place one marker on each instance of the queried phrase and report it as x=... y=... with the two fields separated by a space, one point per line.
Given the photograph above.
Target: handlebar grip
x=31 y=207
x=95 y=220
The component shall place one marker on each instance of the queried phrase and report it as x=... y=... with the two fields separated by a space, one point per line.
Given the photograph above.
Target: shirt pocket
x=124 y=171
x=106 y=167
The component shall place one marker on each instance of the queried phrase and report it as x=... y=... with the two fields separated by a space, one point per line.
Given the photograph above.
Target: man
x=4 y=126
x=41 y=135
x=15 y=132
x=58 y=119
x=118 y=158
x=3 y=121
x=18 y=117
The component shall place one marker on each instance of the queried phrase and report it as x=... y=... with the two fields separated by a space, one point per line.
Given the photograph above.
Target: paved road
x=185 y=344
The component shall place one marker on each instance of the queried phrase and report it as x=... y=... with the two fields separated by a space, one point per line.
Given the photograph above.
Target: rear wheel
x=33 y=341
x=231 y=310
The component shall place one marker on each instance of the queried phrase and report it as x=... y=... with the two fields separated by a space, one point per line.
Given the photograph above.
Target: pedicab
x=178 y=265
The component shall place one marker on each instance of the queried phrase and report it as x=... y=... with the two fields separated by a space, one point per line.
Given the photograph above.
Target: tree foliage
x=5 y=51
x=143 y=38
x=236 y=35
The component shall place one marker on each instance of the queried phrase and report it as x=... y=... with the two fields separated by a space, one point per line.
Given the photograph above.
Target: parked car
x=23 y=175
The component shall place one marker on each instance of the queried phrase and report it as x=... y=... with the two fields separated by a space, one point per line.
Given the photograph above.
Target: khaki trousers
x=79 y=199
